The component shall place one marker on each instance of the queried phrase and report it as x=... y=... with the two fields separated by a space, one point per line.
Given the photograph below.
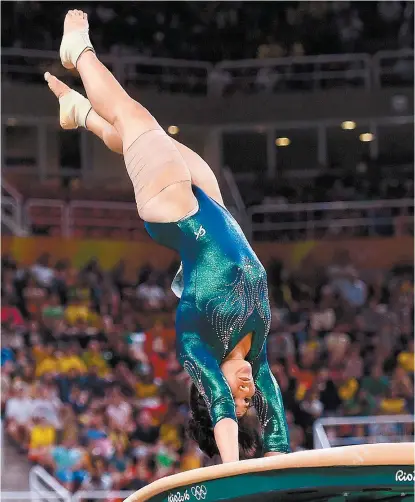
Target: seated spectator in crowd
x=10 y=314
x=52 y=312
x=393 y=403
x=69 y=360
x=42 y=272
x=93 y=358
x=42 y=439
x=67 y=461
x=119 y=464
x=46 y=405
x=78 y=312
x=46 y=359
x=191 y=458
x=151 y=294
x=18 y=414
x=119 y=411
x=406 y=358
x=145 y=434
x=34 y=297
x=376 y=383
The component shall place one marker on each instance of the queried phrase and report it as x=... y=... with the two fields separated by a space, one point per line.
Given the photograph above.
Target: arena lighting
x=348 y=125
x=173 y=130
x=283 y=141
x=366 y=137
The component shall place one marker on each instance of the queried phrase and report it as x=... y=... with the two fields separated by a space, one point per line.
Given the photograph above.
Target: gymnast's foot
x=73 y=107
x=75 y=40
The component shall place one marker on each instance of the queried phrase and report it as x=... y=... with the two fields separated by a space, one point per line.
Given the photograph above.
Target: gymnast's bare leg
x=160 y=177
x=76 y=111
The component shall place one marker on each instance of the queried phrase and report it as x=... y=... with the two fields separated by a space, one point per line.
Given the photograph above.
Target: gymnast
x=223 y=316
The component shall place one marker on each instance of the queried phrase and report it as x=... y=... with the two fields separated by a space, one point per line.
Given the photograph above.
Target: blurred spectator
x=151 y=293
x=42 y=438
x=18 y=415
x=42 y=272
x=68 y=463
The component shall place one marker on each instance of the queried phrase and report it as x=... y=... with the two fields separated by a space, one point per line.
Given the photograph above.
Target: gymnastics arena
x=304 y=113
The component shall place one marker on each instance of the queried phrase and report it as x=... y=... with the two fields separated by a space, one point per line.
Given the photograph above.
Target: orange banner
x=367 y=253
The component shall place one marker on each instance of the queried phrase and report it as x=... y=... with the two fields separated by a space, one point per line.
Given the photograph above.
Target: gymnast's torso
x=224 y=296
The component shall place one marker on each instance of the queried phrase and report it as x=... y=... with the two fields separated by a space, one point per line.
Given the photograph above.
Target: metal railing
x=235 y=204
x=322 y=440
x=120 y=215
x=11 y=209
x=32 y=496
x=84 y=495
x=329 y=218
x=369 y=218
x=257 y=75
x=55 y=214
x=304 y=72
x=46 y=487
x=390 y=70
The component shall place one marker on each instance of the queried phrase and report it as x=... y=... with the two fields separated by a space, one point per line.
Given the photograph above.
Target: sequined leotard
x=224 y=298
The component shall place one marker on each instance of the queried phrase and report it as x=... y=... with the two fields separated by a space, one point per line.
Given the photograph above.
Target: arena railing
x=12 y=209
x=252 y=75
x=308 y=219
x=59 y=219
x=374 y=426
x=6 y=496
x=313 y=218
x=303 y=72
x=233 y=198
x=389 y=70
x=46 y=488
x=84 y=495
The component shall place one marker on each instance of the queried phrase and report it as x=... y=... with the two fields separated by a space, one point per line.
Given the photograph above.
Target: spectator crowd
x=217 y=31
x=92 y=390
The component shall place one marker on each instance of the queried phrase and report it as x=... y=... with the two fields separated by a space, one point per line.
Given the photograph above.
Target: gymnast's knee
x=131 y=120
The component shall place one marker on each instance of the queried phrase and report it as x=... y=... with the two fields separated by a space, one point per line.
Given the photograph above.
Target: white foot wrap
x=74 y=109
x=72 y=46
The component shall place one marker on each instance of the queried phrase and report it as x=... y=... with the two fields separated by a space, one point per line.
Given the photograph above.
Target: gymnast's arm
x=270 y=408
x=200 y=172
x=198 y=361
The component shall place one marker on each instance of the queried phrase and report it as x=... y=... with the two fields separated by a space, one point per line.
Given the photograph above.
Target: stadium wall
x=367 y=253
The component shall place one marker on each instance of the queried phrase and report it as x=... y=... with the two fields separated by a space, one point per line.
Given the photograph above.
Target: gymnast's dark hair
x=200 y=429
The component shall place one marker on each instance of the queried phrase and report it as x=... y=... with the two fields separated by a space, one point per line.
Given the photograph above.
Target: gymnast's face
x=238 y=374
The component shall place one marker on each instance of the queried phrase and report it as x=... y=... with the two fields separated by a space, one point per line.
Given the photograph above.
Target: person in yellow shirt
x=145 y=387
x=76 y=311
x=93 y=358
x=41 y=352
x=348 y=388
x=71 y=361
x=48 y=364
x=190 y=459
x=42 y=438
x=169 y=435
x=392 y=404
x=406 y=358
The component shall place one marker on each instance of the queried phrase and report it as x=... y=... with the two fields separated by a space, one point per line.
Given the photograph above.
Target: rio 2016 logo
x=199 y=492
x=404 y=476
x=178 y=497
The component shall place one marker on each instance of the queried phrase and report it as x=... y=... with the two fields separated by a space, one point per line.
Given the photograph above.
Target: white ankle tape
x=72 y=46
x=74 y=109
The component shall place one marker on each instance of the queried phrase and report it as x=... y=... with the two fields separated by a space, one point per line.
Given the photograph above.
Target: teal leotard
x=225 y=297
